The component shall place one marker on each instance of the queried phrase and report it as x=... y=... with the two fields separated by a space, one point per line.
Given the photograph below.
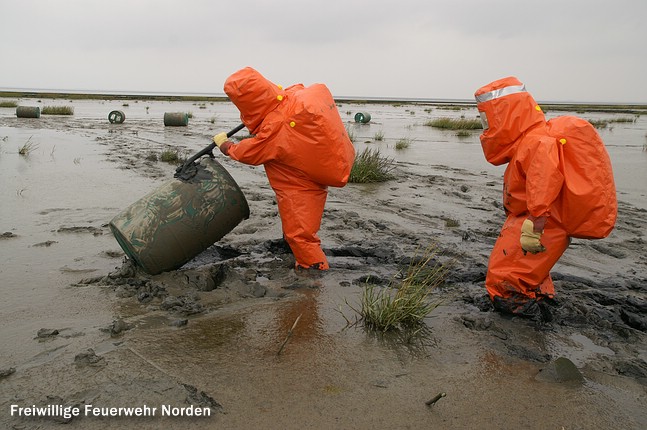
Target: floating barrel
x=28 y=112
x=362 y=117
x=176 y=119
x=174 y=223
x=116 y=117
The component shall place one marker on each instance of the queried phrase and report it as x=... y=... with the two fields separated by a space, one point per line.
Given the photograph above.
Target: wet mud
x=236 y=332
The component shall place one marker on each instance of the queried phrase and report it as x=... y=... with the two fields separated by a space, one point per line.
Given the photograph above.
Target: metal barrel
x=362 y=117
x=174 y=223
x=116 y=117
x=176 y=119
x=28 y=112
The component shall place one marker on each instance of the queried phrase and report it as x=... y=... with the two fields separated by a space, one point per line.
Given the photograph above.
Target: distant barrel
x=116 y=117
x=362 y=117
x=28 y=112
x=176 y=119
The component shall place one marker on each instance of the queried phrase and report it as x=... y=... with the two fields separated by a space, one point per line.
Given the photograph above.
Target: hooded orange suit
x=540 y=184
x=301 y=140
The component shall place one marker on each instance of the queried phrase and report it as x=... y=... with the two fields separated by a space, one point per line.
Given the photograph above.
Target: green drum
x=28 y=112
x=171 y=225
x=362 y=117
x=177 y=119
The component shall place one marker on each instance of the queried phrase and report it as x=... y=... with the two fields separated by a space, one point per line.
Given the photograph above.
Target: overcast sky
x=563 y=50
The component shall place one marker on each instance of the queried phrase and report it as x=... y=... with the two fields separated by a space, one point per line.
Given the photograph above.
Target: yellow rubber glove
x=530 y=238
x=219 y=139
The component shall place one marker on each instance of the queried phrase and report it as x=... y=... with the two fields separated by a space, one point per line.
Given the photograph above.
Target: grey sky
x=563 y=50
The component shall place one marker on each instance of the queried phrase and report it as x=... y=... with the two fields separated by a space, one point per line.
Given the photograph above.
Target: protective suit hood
x=254 y=96
x=507 y=113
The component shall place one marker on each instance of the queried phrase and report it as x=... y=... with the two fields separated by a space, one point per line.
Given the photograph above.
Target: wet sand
x=207 y=337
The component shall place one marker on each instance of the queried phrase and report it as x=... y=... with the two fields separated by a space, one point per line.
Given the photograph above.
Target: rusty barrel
x=176 y=119
x=169 y=226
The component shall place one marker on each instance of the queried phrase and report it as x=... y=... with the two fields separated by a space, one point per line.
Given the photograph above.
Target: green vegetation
x=27 y=147
x=451 y=107
x=403 y=143
x=451 y=223
x=371 y=166
x=9 y=104
x=603 y=123
x=582 y=108
x=379 y=136
x=455 y=123
x=57 y=110
x=170 y=155
x=463 y=133
x=405 y=303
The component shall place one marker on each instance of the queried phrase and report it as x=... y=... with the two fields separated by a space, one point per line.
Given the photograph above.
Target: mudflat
x=90 y=340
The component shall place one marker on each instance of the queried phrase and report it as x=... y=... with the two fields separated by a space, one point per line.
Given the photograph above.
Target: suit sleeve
x=544 y=179
x=256 y=150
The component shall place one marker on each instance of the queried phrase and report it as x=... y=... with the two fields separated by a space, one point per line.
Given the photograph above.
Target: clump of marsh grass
x=371 y=166
x=27 y=147
x=57 y=110
x=8 y=104
x=170 y=156
x=403 y=143
x=451 y=222
x=379 y=136
x=463 y=133
x=603 y=123
x=455 y=123
x=405 y=303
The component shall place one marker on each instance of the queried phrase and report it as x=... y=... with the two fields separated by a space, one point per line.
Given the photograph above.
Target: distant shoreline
x=631 y=108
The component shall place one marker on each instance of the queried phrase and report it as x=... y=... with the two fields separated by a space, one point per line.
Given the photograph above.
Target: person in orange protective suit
x=541 y=183
x=299 y=137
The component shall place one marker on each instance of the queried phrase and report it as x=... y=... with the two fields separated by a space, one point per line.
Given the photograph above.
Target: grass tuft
x=8 y=104
x=371 y=166
x=27 y=147
x=603 y=123
x=57 y=110
x=404 y=304
x=455 y=123
x=170 y=156
x=403 y=143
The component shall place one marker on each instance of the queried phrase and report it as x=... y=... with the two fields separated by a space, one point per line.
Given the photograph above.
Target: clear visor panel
x=484 y=122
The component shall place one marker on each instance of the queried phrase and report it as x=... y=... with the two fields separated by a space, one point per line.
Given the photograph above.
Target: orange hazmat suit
x=299 y=137
x=558 y=184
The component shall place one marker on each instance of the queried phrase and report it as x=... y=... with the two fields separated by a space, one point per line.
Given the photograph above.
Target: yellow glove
x=530 y=238
x=219 y=139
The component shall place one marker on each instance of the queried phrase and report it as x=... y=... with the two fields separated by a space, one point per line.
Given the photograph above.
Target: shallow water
x=625 y=142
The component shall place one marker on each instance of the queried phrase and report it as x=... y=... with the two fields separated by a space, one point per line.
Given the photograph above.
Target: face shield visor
x=484 y=121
